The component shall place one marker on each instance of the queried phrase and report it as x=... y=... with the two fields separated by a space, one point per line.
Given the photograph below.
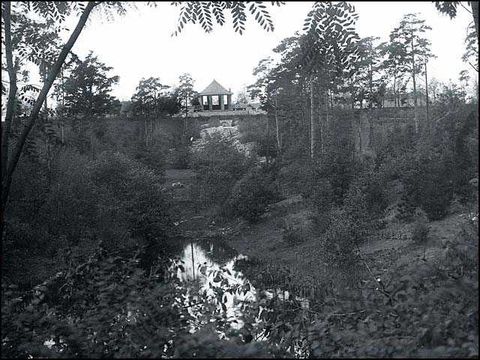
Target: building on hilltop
x=215 y=97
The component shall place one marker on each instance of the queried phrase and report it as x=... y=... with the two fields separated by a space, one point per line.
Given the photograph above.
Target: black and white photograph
x=239 y=179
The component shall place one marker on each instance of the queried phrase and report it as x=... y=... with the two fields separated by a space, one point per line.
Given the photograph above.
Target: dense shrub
x=373 y=184
x=377 y=321
x=51 y=207
x=295 y=178
x=81 y=202
x=309 y=181
x=321 y=221
x=179 y=157
x=107 y=307
x=465 y=158
x=321 y=194
x=153 y=156
x=293 y=236
x=252 y=129
x=429 y=183
x=355 y=207
x=338 y=242
x=441 y=164
x=131 y=193
x=219 y=164
x=338 y=163
x=111 y=307
x=179 y=153
x=420 y=232
x=266 y=146
x=252 y=194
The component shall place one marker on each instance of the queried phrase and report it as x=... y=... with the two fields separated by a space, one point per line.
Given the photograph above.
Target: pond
x=207 y=269
x=216 y=293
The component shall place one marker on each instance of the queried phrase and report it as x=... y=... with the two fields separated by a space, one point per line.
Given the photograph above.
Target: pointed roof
x=215 y=89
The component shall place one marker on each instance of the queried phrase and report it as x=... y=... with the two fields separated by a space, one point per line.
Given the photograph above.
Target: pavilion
x=214 y=96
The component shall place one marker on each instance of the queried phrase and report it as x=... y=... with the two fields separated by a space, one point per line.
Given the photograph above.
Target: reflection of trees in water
x=222 y=294
x=217 y=249
x=159 y=253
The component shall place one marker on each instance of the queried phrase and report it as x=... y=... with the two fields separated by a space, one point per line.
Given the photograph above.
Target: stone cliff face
x=227 y=129
x=371 y=127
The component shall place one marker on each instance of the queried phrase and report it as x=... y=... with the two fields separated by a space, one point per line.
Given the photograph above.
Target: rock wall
x=371 y=127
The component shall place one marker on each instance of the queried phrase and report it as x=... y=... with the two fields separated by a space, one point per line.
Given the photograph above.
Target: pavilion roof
x=215 y=89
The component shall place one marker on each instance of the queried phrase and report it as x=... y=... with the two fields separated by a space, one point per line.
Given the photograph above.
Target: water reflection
x=207 y=270
x=214 y=292
x=217 y=283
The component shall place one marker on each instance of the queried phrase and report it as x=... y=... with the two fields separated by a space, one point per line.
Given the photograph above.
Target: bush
x=131 y=193
x=355 y=207
x=110 y=307
x=118 y=290
x=420 y=232
x=179 y=157
x=293 y=236
x=428 y=183
x=251 y=195
x=374 y=187
x=253 y=129
x=321 y=222
x=219 y=164
x=153 y=156
x=266 y=146
x=338 y=243
x=321 y=195
x=295 y=178
x=50 y=209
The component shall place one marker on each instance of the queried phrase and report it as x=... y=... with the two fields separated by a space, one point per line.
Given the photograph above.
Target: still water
x=217 y=293
x=207 y=269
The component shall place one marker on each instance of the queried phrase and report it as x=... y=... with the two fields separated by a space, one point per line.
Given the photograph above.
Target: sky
x=139 y=44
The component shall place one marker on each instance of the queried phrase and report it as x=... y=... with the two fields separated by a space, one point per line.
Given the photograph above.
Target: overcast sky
x=139 y=44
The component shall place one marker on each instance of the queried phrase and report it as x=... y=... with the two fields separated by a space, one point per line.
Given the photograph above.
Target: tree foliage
x=206 y=13
x=87 y=89
x=152 y=98
x=185 y=91
x=470 y=55
x=58 y=11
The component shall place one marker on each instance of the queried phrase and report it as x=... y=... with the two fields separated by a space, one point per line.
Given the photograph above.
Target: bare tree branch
x=469 y=11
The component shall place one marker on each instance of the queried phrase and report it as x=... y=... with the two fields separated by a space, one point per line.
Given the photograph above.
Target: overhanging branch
x=40 y=100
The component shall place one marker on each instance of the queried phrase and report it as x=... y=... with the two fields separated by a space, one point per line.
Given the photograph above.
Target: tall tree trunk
x=92 y=146
x=370 y=85
x=193 y=261
x=312 y=121
x=12 y=91
x=395 y=90
x=323 y=119
x=474 y=5
x=267 y=156
x=426 y=94
x=279 y=145
x=186 y=114
x=145 y=130
x=62 y=132
x=12 y=163
x=414 y=89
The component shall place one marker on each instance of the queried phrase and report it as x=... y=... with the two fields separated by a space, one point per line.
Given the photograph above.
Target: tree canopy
x=154 y=98
x=87 y=89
